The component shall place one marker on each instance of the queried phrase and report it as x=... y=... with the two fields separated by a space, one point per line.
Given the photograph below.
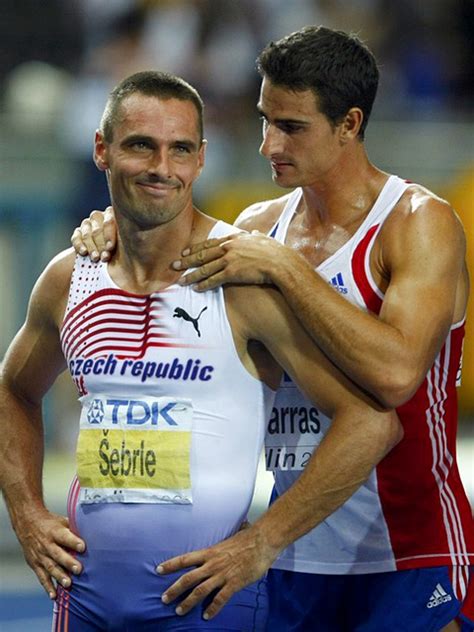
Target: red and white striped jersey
x=413 y=511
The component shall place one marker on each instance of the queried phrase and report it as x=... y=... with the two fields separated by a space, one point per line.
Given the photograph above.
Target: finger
x=70 y=540
x=216 y=280
x=46 y=582
x=178 y=563
x=183 y=584
x=219 y=601
x=77 y=242
x=206 y=271
x=66 y=538
x=87 y=239
x=110 y=229
x=55 y=571
x=97 y=231
x=64 y=559
x=204 y=245
x=199 y=258
x=201 y=591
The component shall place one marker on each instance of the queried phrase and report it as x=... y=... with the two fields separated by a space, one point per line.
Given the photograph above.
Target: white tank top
x=355 y=538
x=412 y=511
x=172 y=423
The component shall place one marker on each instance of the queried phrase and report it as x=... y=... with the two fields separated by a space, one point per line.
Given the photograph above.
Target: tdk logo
x=95 y=414
x=338 y=283
x=132 y=412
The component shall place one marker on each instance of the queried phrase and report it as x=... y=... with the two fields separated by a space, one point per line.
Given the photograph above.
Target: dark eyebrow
x=137 y=138
x=284 y=121
x=141 y=138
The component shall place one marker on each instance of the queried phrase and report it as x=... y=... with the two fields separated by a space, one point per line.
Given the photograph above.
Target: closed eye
x=289 y=128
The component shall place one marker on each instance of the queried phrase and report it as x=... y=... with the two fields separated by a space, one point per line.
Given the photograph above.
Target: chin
x=284 y=182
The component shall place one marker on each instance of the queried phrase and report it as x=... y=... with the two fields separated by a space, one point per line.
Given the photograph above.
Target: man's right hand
x=49 y=547
x=96 y=236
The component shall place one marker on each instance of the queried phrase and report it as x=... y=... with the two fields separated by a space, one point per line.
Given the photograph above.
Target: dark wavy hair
x=340 y=70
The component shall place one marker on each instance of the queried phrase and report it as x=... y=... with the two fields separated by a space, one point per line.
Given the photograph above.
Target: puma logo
x=180 y=313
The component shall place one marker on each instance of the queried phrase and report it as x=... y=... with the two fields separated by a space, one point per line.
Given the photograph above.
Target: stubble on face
x=155 y=157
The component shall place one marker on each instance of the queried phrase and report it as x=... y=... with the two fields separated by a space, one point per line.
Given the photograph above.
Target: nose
x=159 y=164
x=272 y=142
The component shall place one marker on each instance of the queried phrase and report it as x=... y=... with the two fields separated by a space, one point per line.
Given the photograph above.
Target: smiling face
x=153 y=159
x=298 y=140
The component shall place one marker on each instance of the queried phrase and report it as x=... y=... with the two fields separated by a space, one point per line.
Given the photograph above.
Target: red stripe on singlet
x=371 y=299
x=425 y=455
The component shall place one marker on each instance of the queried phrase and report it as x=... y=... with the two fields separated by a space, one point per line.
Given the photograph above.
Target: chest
x=113 y=340
x=334 y=250
x=320 y=242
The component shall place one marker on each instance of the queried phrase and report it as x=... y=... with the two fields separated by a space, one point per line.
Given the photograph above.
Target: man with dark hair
x=309 y=59
x=175 y=388
x=396 y=555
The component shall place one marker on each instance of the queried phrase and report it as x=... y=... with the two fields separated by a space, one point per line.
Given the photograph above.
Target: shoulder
x=420 y=204
x=261 y=216
x=422 y=215
x=51 y=290
x=56 y=277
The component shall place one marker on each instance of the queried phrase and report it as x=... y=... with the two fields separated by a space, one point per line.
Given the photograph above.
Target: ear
x=350 y=125
x=201 y=157
x=100 y=152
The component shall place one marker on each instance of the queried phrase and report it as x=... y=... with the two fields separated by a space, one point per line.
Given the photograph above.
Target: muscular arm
x=389 y=355
x=31 y=365
x=360 y=436
x=421 y=258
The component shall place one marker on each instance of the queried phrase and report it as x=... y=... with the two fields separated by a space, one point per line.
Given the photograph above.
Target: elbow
x=395 y=434
x=395 y=388
x=388 y=434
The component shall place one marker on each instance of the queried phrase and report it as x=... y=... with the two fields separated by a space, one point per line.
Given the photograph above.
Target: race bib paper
x=294 y=430
x=135 y=450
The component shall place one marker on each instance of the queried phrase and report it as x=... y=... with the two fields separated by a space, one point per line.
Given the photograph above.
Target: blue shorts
x=121 y=595
x=412 y=600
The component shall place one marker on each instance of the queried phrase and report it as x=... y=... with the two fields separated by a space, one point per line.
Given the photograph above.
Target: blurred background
x=59 y=60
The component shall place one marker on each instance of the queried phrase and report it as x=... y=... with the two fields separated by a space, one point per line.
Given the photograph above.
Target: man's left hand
x=222 y=569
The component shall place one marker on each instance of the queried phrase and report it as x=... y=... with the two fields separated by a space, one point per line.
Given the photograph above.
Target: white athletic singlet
x=172 y=423
x=412 y=511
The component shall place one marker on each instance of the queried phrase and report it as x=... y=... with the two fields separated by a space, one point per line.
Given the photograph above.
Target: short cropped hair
x=340 y=70
x=151 y=83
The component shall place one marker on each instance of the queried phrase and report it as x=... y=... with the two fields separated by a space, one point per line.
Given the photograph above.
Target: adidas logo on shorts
x=438 y=597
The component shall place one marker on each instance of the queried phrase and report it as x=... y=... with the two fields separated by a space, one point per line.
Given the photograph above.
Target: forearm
x=371 y=352
x=338 y=467
x=21 y=453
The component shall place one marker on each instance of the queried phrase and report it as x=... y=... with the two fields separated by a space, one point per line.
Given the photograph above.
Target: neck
x=142 y=263
x=346 y=193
